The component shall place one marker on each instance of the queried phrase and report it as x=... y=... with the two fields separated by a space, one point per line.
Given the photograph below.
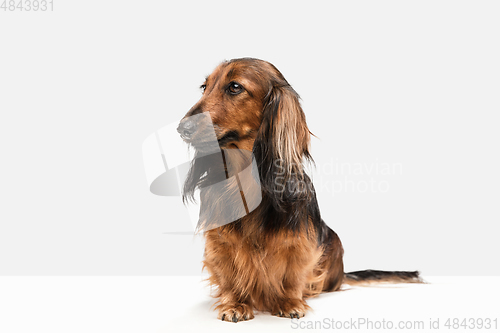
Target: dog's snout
x=186 y=128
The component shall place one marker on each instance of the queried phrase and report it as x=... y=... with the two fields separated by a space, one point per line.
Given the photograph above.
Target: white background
x=414 y=84
x=181 y=304
x=408 y=83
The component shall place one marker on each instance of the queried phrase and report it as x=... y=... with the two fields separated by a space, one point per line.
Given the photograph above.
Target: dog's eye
x=234 y=88
x=203 y=87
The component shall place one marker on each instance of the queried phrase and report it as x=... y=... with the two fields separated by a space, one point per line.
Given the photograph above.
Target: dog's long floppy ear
x=281 y=146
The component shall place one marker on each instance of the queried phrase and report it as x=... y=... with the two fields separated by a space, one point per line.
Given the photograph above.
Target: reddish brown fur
x=267 y=272
x=250 y=266
x=243 y=113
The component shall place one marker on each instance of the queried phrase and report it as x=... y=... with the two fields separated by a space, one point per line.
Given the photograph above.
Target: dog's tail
x=370 y=276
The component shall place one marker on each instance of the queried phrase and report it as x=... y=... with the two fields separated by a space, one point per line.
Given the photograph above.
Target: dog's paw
x=235 y=312
x=292 y=314
x=294 y=308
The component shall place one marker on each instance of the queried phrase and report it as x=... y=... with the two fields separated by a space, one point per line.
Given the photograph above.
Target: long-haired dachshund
x=282 y=252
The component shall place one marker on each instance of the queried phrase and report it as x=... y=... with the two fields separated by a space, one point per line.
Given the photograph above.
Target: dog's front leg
x=234 y=302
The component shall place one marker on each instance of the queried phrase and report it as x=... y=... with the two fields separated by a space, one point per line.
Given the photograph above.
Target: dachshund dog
x=282 y=252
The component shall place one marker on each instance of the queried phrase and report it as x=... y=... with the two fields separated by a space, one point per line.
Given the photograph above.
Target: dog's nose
x=186 y=128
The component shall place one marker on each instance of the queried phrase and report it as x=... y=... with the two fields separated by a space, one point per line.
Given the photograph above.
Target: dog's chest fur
x=257 y=265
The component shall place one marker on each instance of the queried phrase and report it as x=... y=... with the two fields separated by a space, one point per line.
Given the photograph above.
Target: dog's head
x=252 y=107
x=234 y=96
